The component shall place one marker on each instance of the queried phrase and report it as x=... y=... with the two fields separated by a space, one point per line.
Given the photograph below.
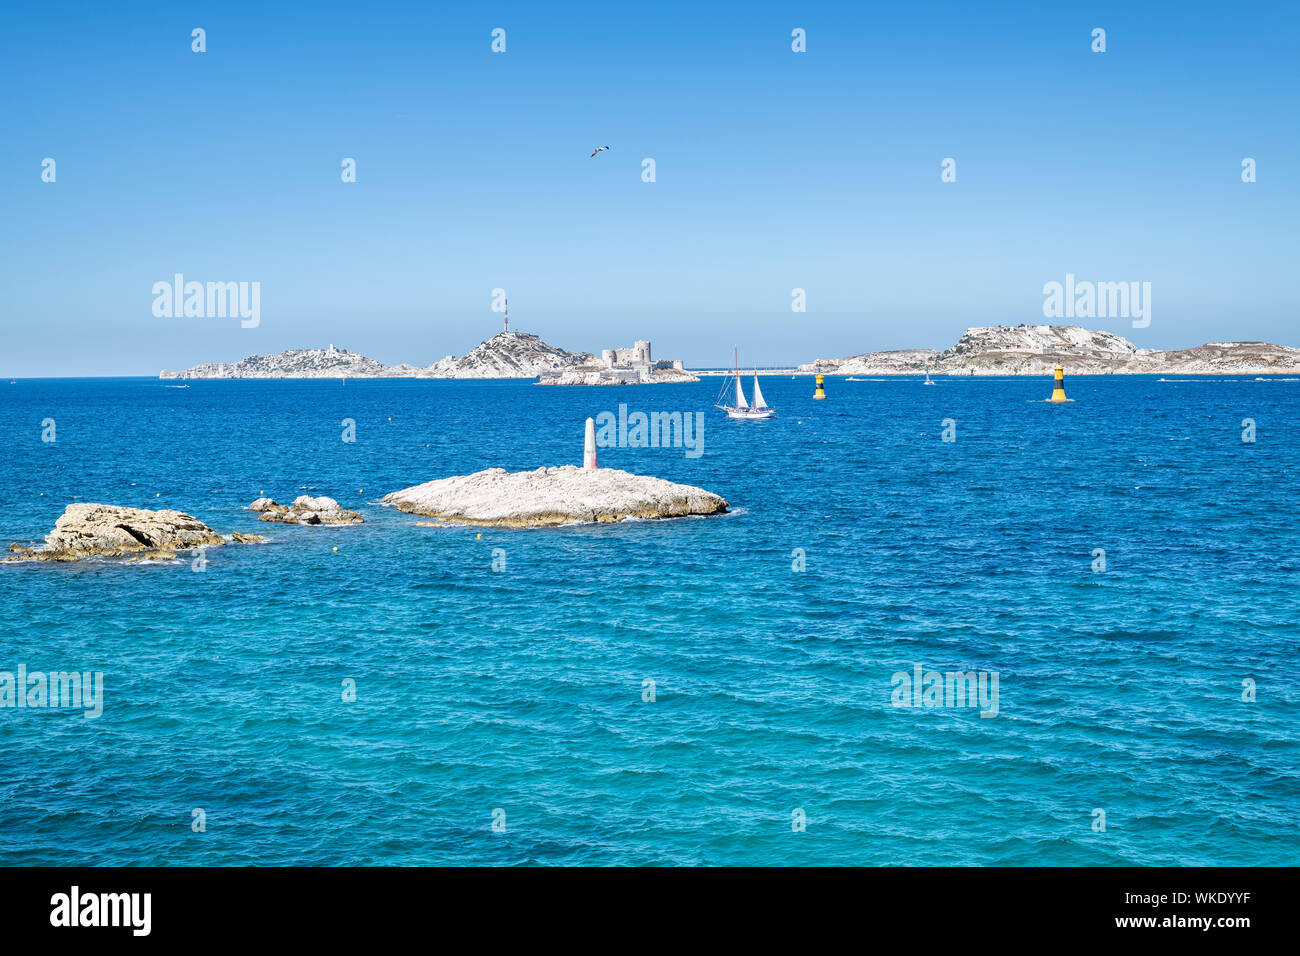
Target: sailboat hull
x=748 y=414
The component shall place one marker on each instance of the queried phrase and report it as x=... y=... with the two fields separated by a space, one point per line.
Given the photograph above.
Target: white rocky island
x=548 y=497
x=1037 y=349
x=620 y=367
x=505 y=355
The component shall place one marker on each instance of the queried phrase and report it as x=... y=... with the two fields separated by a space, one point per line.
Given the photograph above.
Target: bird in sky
x=598 y=149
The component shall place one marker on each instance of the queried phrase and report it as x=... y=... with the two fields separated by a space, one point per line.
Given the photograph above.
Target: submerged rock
x=155 y=556
x=552 y=496
x=88 y=529
x=306 y=510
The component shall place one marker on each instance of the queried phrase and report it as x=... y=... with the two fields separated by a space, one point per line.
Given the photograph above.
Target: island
x=548 y=497
x=981 y=350
x=89 y=529
x=1037 y=349
x=621 y=367
x=505 y=355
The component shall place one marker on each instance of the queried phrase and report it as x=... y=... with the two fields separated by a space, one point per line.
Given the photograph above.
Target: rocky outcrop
x=552 y=496
x=305 y=510
x=1036 y=349
x=88 y=529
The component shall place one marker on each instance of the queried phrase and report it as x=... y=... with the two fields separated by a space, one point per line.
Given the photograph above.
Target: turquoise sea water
x=522 y=689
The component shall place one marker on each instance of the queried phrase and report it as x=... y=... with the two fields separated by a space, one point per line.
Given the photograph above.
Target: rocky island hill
x=1036 y=349
x=505 y=355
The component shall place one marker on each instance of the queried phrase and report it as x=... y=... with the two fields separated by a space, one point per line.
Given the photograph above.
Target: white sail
x=740 y=394
x=758 y=395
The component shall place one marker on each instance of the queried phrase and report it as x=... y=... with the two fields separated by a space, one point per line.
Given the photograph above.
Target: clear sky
x=774 y=170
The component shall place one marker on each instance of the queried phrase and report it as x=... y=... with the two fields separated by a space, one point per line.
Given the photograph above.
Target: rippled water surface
x=522 y=690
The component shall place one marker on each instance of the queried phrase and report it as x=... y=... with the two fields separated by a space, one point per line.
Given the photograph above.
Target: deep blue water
x=522 y=689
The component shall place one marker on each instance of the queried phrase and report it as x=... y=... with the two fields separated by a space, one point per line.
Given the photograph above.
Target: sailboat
x=743 y=409
x=927 y=375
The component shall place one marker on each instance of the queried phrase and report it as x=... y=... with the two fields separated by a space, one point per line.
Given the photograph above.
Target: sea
x=1116 y=575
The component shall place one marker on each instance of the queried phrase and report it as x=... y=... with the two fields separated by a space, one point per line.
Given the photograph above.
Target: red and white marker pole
x=589 y=446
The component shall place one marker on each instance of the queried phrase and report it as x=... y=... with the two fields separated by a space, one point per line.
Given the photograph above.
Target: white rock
x=306 y=510
x=307 y=503
x=553 y=496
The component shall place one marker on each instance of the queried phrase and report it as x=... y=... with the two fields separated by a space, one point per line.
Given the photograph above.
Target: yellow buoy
x=821 y=387
x=1058 y=387
x=336 y=550
x=478 y=537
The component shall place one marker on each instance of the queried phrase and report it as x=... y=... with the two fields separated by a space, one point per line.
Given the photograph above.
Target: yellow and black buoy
x=821 y=386
x=1058 y=387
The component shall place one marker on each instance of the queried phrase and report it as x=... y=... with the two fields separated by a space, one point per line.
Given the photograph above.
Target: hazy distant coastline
x=986 y=350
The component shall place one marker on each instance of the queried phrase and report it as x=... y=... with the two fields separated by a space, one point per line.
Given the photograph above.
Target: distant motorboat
x=743 y=409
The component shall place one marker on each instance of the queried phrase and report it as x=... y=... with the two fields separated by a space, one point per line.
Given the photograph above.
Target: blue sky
x=775 y=170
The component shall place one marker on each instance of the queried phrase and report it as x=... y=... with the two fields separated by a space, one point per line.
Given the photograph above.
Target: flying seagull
x=598 y=149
